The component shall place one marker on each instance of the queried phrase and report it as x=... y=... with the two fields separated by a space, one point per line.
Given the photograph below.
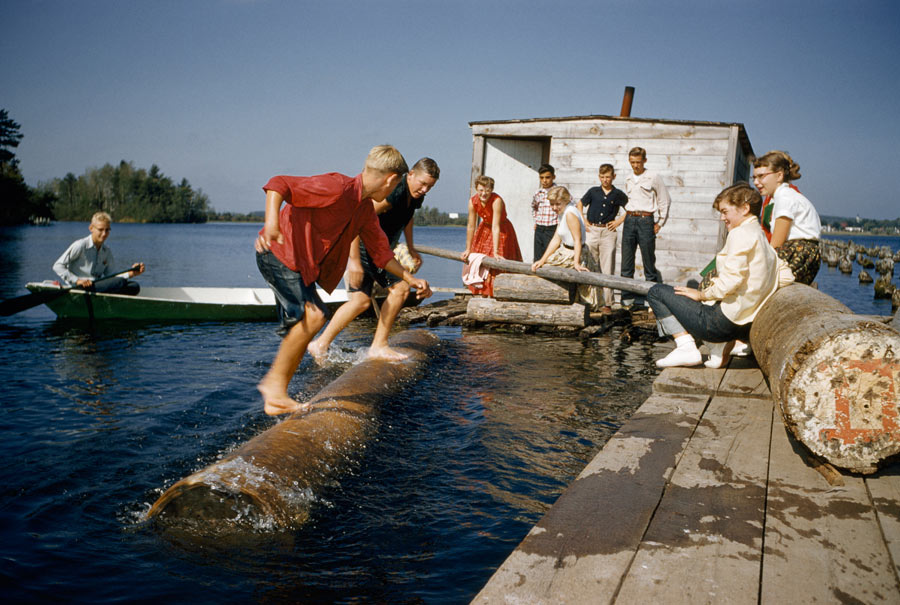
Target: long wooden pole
x=636 y=286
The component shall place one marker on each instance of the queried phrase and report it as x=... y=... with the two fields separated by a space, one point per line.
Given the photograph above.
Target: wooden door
x=513 y=164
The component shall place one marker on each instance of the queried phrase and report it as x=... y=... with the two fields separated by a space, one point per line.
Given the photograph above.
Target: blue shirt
x=603 y=207
x=83 y=260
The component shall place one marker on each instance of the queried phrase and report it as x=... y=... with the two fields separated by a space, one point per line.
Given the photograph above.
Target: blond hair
x=386 y=160
x=101 y=217
x=559 y=193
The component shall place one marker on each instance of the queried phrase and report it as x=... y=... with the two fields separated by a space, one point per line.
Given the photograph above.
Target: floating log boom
x=558 y=274
x=525 y=313
x=272 y=479
x=835 y=375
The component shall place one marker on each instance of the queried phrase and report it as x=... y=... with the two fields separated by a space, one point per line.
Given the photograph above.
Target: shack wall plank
x=590 y=162
x=655 y=148
x=709 y=525
x=822 y=543
x=611 y=129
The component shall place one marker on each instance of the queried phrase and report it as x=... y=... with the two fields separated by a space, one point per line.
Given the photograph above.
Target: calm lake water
x=96 y=421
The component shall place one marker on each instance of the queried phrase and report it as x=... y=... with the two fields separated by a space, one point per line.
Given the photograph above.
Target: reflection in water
x=538 y=401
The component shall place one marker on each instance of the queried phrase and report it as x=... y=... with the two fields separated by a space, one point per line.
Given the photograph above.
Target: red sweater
x=322 y=216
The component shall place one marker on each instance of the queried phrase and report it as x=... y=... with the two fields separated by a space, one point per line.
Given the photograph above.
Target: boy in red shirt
x=308 y=241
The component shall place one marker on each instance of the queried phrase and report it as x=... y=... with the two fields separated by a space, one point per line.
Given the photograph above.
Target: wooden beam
x=552 y=273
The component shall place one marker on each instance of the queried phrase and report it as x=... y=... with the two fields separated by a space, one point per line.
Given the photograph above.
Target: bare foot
x=276 y=399
x=386 y=353
x=318 y=352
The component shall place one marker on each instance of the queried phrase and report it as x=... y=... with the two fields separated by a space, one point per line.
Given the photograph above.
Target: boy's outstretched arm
x=423 y=290
x=271 y=231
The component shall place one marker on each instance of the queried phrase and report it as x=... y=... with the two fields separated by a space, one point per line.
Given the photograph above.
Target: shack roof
x=742 y=132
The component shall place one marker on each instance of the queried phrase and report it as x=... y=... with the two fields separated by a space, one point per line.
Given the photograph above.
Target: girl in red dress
x=494 y=236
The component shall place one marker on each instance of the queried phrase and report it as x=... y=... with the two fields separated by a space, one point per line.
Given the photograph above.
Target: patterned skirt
x=565 y=257
x=803 y=257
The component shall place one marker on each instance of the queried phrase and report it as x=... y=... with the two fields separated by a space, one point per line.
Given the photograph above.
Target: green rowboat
x=173 y=303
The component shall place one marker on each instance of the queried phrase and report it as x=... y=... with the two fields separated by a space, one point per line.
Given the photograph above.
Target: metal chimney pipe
x=626 y=102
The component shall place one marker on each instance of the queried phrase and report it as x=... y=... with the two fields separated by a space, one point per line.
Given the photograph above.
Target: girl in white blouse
x=795 y=223
x=748 y=273
x=568 y=247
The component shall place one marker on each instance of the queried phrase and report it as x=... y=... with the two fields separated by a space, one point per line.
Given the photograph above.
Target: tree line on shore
x=128 y=193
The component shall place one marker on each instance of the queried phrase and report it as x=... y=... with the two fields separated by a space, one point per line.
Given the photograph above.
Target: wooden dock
x=703 y=497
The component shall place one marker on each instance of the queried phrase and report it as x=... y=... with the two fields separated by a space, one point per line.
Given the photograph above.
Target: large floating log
x=835 y=375
x=535 y=314
x=561 y=274
x=272 y=479
x=530 y=288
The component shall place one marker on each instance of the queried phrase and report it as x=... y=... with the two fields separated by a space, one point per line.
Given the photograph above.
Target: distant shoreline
x=860 y=233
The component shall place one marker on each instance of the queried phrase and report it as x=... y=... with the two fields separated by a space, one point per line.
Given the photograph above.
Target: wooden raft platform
x=703 y=497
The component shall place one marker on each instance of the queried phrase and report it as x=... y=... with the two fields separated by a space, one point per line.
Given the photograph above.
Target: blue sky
x=227 y=93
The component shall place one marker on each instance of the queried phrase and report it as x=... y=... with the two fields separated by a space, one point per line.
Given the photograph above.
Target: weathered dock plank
x=582 y=547
x=822 y=543
x=704 y=543
x=744 y=379
x=688 y=381
x=884 y=488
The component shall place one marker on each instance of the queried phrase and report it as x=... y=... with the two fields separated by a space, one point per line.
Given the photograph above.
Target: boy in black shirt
x=604 y=212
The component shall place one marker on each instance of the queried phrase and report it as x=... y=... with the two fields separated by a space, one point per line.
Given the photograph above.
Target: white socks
x=685 y=353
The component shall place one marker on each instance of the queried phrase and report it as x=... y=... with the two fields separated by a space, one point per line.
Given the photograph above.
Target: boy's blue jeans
x=638 y=231
x=676 y=314
x=118 y=285
x=291 y=294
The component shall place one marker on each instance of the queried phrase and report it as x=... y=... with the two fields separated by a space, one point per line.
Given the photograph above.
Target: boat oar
x=12 y=306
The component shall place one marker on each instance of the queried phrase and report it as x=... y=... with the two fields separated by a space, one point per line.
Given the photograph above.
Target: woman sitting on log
x=495 y=236
x=796 y=228
x=748 y=272
x=568 y=248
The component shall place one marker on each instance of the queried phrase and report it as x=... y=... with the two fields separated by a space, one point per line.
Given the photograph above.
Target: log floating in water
x=271 y=480
x=835 y=375
x=535 y=314
x=530 y=288
x=552 y=273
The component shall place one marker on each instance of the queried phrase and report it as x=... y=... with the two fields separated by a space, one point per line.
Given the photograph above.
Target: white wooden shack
x=695 y=159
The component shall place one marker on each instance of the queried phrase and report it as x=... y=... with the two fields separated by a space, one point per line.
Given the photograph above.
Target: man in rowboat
x=89 y=259
x=308 y=241
x=395 y=215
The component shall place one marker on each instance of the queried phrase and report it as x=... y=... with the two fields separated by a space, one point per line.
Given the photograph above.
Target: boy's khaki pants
x=602 y=244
